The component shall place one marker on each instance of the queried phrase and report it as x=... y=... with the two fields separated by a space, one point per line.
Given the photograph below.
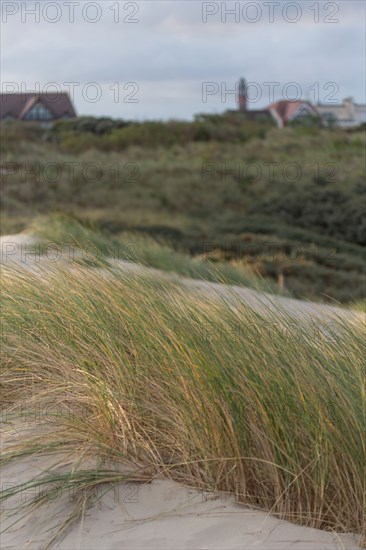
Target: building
x=345 y=115
x=254 y=115
x=287 y=112
x=36 y=107
x=280 y=113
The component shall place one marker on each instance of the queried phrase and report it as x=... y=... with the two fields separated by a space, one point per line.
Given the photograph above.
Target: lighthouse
x=242 y=99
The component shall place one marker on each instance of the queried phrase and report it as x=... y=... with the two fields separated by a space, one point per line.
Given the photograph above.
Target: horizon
x=178 y=63
x=251 y=106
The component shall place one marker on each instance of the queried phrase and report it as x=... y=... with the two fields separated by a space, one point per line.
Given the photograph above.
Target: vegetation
x=74 y=241
x=288 y=201
x=146 y=375
x=231 y=127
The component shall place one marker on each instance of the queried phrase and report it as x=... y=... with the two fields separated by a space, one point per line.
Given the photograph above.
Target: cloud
x=171 y=51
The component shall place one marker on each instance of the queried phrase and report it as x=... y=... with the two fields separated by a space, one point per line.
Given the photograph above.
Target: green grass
x=195 y=390
x=162 y=181
x=66 y=231
x=360 y=306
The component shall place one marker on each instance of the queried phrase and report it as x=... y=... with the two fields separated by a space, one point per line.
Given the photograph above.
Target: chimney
x=242 y=95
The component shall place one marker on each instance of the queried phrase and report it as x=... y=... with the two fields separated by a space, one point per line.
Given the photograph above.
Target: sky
x=161 y=59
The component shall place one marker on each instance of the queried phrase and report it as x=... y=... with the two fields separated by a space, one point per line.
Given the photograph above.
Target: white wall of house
x=360 y=114
x=345 y=115
x=276 y=117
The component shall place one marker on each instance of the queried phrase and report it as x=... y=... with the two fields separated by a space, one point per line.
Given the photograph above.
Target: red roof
x=286 y=109
x=18 y=105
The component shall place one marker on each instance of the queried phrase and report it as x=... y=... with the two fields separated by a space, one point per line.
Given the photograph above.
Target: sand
x=162 y=514
x=157 y=515
x=16 y=251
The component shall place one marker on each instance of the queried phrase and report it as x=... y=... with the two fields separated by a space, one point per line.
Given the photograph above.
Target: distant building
x=345 y=115
x=256 y=115
x=281 y=113
x=286 y=112
x=36 y=107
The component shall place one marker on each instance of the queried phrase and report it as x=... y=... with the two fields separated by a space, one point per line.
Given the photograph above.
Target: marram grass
x=140 y=372
x=66 y=232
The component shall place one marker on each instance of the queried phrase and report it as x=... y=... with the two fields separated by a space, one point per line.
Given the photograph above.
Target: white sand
x=163 y=514
x=16 y=252
x=158 y=515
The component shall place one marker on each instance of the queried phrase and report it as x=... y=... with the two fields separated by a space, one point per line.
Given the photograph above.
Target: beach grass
x=278 y=201
x=74 y=240
x=141 y=373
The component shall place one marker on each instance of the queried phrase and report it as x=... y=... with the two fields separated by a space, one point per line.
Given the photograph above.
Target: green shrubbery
x=213 y=183
x=325 y=210
x=79 y=134
x=89 y=125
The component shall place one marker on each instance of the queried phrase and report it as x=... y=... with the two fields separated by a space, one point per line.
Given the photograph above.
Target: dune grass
x=93 y=246
x=236 y=193
x=359 y=306
x=142 y=374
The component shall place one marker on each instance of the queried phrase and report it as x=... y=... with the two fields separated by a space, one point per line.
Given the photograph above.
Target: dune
x=159 y=515
x=16 y=250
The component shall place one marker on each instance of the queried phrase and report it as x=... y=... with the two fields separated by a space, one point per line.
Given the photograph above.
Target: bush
x=329 y=211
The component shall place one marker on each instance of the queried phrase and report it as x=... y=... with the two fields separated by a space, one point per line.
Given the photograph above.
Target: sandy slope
x=16 y=251
x=164 y=514
x=159 y=515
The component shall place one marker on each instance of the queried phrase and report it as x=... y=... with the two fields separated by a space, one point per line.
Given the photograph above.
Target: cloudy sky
x=172 y=59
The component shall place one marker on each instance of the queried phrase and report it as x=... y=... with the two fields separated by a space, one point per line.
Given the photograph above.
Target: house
x=281 y=113
x=347 y=114
x=39 y=107
x=287 y=112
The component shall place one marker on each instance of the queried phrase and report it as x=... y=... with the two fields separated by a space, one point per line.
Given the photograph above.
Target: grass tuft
x=140 y=372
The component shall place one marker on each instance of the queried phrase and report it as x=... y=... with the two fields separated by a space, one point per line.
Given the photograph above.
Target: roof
x=17 y=105
x=287 y=109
